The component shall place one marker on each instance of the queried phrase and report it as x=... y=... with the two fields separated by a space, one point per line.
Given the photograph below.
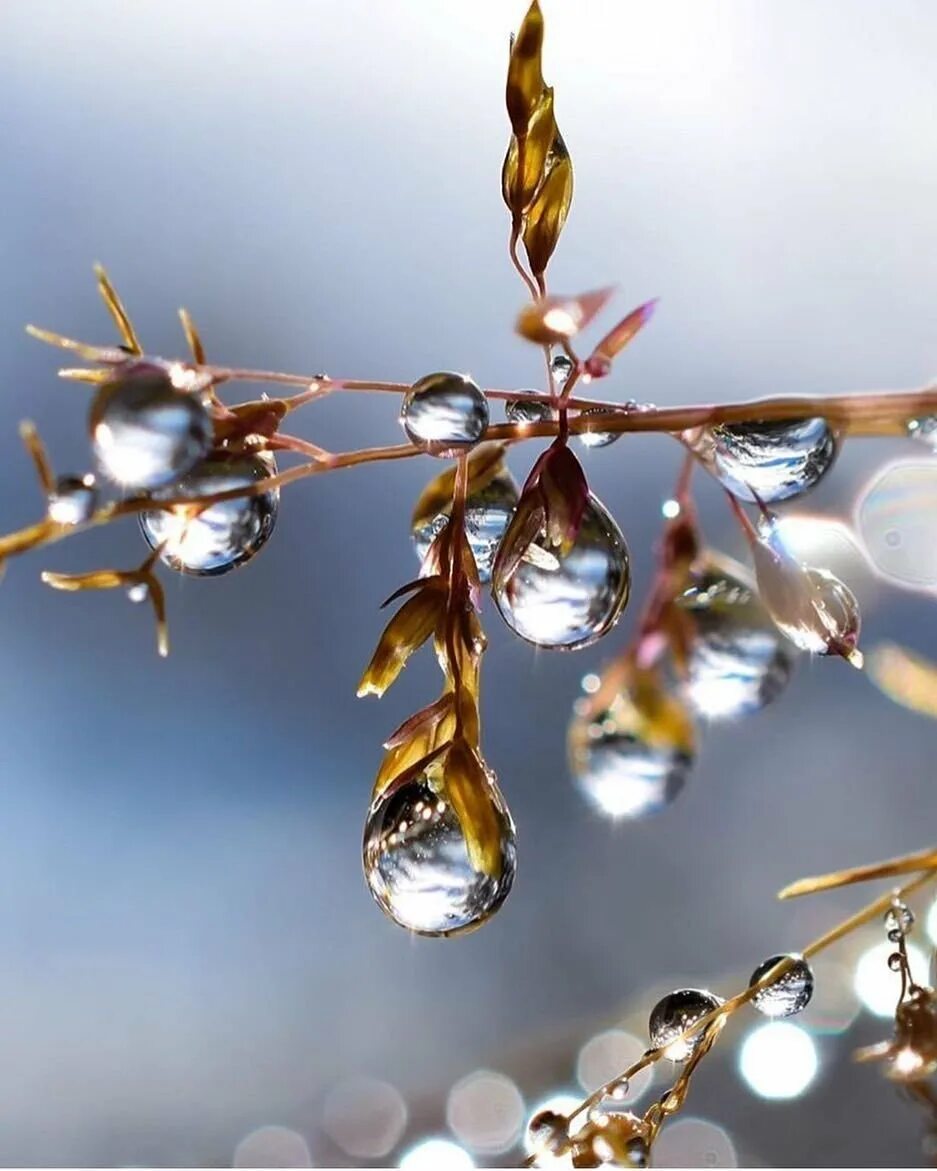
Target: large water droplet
x=145 y=432
x=488 y=512
x=790 y=993
x=771 y=460
x=618 y=772
x=417 y=862
x=569 y=599
x=222 y=536
x=527 y=410
x=676 y=1012
x=444 y=413
x=738 y=660
x=73 y=500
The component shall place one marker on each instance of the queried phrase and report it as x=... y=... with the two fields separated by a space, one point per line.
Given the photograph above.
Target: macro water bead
x=771 y=460
x=738 y=660
x=73 y=500
x=419 y=865
x=673 y=1015
x=224 y=535
x=145 y=432
x=527 y=410
x=488 y=512
x=444 y=413
x=787 y=995
x=569 y=598
x=595 y=437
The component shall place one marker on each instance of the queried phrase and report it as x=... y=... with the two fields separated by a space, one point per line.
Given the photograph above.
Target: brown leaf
x=484 y=463
x=422 y=721
x=470 y=789
x=526 y=525
x=599 y=362
x=565 y=493
x=525 y=77
x=406 y=632
x=548 y=213
x=518 y=190
x=407 y=760
x=117 y=311
x=552 y=320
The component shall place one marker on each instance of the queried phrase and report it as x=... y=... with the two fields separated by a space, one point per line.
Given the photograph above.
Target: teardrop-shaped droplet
x=418 y=865
x=560 y=369
x=221 y=536
x=790 y=993
x=488 y=512
x=617 y=770
x=73 y=500
x=597 y=438
x=569 y=599
x=145 y=432
x=527 y=410
x=444 y=413
x=771 y=461
x=675 y=1013
x=924 y=430
x=738 y=660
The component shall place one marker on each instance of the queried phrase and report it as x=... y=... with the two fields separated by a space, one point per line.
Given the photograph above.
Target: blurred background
x=192 y=970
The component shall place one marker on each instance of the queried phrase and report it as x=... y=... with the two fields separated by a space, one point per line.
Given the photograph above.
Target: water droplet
x=560 y=369
x=445 y=413
x=138 y=592
x=488 y=512
x=775 y=460
x=547 y=1133
x=524 y=410
x=597 y=438
x=568 y=599
x=790 y=993
x=924 y=430
x=145 y=432
x=222 y=536
x=417 y=862
x=675 y=1013
x=899 y=920
x=73 y=501
x=738 y=660
x=617 y=771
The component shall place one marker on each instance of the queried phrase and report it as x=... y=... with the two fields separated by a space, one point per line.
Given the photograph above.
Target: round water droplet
x=790 y=993
x=773 y=460
x=569 y=599
x=560 y=369
x=597 y=438
x=417 y=862
x=73 y=501
x=488 y=512
x=621 y=775
x=675 y=1013
x=138 y=592
x=222 y=536
x=444 y=413
x=524 y=410
x=145 y=432
x=739 y=661
x=899 y=920
x=924 y=430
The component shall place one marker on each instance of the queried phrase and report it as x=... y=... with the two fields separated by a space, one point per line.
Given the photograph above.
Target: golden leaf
x=907 y=679
x=484 y=464
x=525 y=77
x=117 y=311
x=471 y=790
x=192 y=337
x=406 y=632
x=548 y=213
x=518 y=190
x=413 y=755
x=551 y=320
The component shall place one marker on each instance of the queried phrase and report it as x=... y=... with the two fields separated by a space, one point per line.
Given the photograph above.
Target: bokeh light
x=272 y=1146
x=365 y=1117
x=931 y=923
x=693 y=1142
x=485 y=1111
x=778 y=1060
x=896 y=516
x=834 y=1004
x=608 y=1054
x=437 y=1154
x=876 y=985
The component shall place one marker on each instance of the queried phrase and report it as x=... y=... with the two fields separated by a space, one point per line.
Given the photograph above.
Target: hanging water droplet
x=145 y=432
x=924 y=430
x=488 y=512
x=617 y=770
x=417 y=862
x=738 y=660
x=789 y=994
x=138 y=592
x=560 y=369
x=675 y=1013
x=73 y=501
x=568 y=599
x=597 y=438
x=223 y=535
x=771 y=460
x=525 y=410
x=899 y=920
x=444 y=413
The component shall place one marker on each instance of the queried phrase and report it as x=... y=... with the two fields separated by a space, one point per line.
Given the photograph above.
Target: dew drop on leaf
x=771 y=460
x=789 y=994
x=417 y=863
x=444 y=413
x=569 y=598
x=527 y=410
x=675 y=1013
x=73 y=500
x=597 y=438
x=222 y=536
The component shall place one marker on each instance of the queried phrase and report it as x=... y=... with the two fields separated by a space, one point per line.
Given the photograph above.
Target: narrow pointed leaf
x=547 y=215
x=117 y=311
x=552 y=320
x=406 y=632
x=525 y=77
x=615 y=340
x=468 y=788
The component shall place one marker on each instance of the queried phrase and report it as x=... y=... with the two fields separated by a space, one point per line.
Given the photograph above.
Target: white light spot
x=692 y=1142
x=365 y=1117
x=436 y=1154
x=670 y=509
x=485 y=1111
x=272 y=1146
x=876 y=985
x=608 y=1054
x=778 y=1060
